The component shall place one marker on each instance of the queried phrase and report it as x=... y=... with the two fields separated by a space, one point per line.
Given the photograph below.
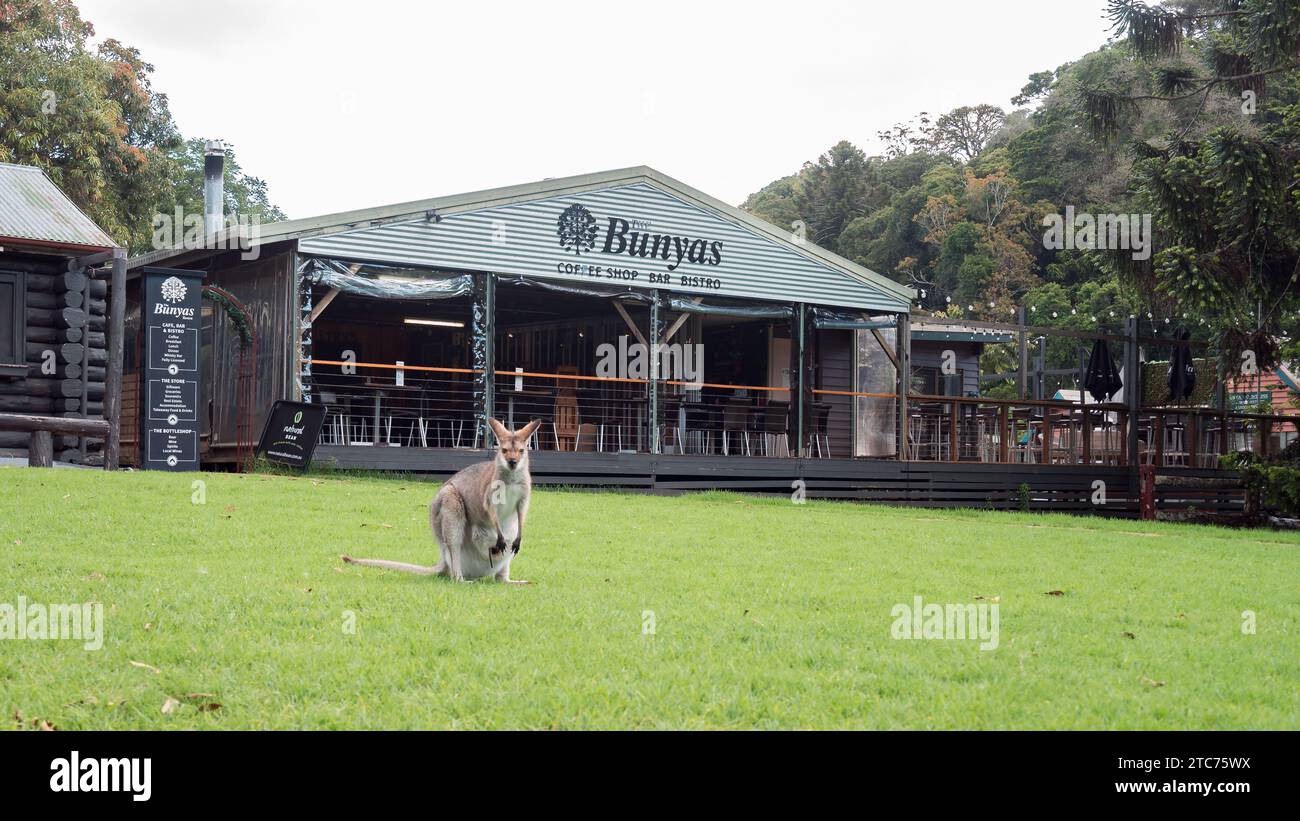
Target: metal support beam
x=302 y=352
x=1132 y=389
x=484 y=328
x=1040 y=365
x=904 y=372
x=800 y=378
x=652 y=384
x=1023 y=381
x=113 y=376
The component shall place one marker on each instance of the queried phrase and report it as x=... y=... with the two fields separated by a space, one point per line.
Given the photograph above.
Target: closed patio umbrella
x=1182 y=371
x=1102 y=380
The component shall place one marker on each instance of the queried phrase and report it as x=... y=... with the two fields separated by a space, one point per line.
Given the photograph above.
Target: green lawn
x=766 y=614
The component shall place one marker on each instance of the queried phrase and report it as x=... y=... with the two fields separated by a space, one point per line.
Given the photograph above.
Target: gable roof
x=33 y=210
x=755 y=259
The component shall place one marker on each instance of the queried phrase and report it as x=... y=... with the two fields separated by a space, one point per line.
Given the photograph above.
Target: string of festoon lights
x=1033 y=312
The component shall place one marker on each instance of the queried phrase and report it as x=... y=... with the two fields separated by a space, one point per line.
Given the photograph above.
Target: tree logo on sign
x=173 y=289
x=576 y=229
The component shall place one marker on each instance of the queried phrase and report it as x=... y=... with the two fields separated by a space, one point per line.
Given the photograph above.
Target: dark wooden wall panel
x=835 y=373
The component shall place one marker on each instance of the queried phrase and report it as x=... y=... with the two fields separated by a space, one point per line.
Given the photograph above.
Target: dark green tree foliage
x=244 y=195
x=775 y=202
x=90 y=119
x=1192 y=116
x=961 y=242
x=93 y=121
x=834 y=190
x=1223 y=193
x=965 y=132
x=1039 y=85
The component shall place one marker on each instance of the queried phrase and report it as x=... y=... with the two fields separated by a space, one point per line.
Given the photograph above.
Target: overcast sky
x=342 y=105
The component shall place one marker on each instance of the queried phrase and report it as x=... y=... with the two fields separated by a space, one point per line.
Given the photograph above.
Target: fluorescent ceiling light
x=441 y=323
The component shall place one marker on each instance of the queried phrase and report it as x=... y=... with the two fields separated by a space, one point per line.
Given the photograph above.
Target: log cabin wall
x=64 y=346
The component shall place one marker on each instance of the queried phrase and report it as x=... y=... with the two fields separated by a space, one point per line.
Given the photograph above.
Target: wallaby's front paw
x=514 y=548
x=501 y=543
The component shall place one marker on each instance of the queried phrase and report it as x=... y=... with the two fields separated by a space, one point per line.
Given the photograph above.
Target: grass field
x=708 y=611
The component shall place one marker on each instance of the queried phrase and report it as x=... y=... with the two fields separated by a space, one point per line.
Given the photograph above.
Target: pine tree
x=1223 y=185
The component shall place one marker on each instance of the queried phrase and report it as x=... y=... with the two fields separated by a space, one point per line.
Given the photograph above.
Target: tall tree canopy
x=1191 y=116
x=1223 y=180
x=964 y=132
x=93 y=121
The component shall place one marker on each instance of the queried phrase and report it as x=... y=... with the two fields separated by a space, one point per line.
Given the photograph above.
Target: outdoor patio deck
x=1063 y=488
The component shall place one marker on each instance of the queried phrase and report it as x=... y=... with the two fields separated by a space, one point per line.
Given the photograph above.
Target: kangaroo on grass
x=478 y=515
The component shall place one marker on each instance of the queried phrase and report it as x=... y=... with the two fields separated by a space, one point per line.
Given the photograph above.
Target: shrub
x=1273 y=484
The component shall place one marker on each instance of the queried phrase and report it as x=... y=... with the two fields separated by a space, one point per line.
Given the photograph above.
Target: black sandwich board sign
x=291 y=431
x=172 y=321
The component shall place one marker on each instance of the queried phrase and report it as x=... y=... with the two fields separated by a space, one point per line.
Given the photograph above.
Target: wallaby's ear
x=499 y=429
x=527 y=430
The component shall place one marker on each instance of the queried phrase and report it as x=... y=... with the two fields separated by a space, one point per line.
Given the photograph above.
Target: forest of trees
x=1191 y=115
x=93 y=121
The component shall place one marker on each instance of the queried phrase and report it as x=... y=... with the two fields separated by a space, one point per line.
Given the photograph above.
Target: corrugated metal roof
x=798 y=270
x=521 y=238
x=33 y=208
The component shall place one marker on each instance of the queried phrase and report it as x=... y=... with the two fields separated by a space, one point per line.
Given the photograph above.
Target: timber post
x=1132 y=389
x=903 y=346
x=113 y=377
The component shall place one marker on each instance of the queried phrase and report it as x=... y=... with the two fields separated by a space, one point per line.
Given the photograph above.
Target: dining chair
x=1175 y=445
x=818 y=437
x=334 y=425
x=929 y=442
x=585 y=439
x=735 y=422
x=408 y=419
x=776 y=437
x=564 y=424
x=592 y=405
x=696 y=435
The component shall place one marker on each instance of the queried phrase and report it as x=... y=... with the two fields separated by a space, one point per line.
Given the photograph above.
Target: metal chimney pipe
x=214 y=188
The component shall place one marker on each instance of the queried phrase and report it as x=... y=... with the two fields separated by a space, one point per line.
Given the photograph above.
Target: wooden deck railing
x=1198 y=437
x=979 y=429
x=974 y=429
x=436 y=408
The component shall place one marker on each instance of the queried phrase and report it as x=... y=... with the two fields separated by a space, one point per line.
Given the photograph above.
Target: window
x=13 y=322
x=933 y=382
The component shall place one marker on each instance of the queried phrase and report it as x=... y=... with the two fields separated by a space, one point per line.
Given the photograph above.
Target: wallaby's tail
x=409 y=568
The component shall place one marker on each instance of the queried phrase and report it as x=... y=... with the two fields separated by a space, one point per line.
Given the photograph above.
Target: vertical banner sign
x=172 y=315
